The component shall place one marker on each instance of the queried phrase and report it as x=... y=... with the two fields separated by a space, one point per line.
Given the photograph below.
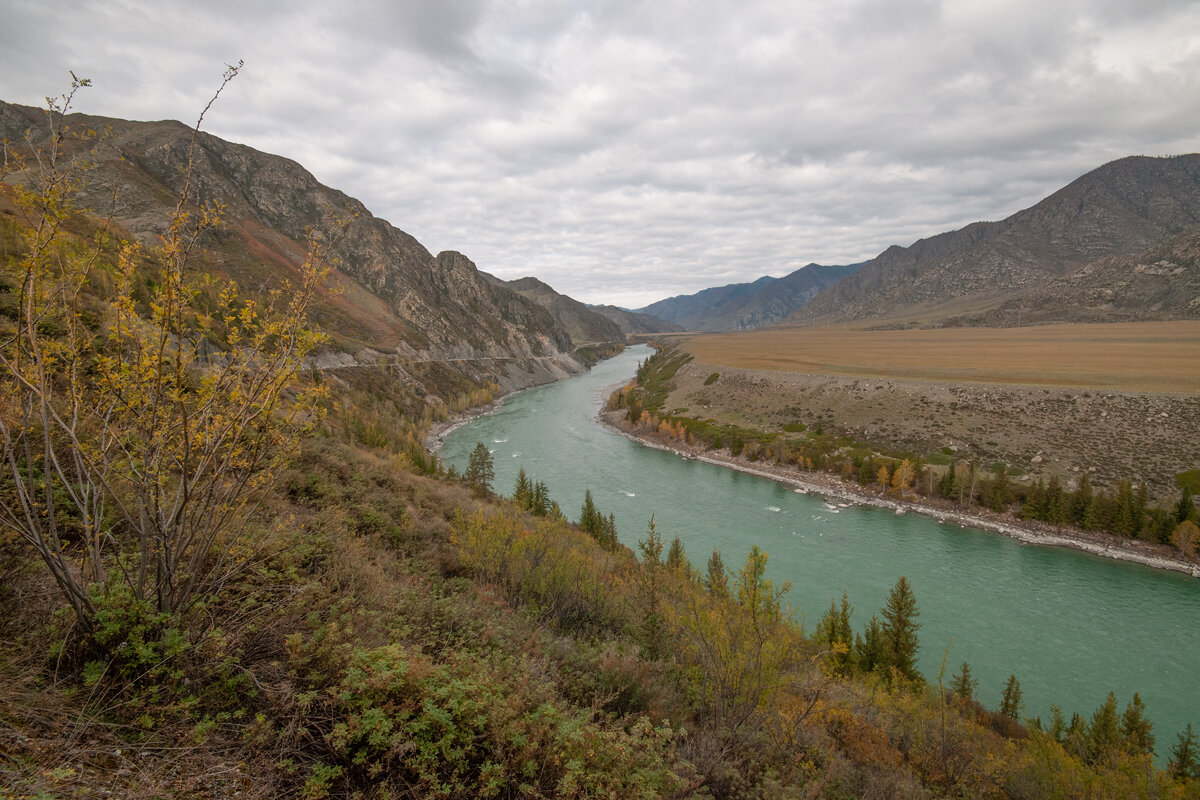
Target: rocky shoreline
x=1025 y=531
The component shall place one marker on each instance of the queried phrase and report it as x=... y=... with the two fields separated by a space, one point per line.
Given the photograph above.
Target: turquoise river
x=1071 y=626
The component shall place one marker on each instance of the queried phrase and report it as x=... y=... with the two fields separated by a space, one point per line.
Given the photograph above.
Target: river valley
x=1071 y=626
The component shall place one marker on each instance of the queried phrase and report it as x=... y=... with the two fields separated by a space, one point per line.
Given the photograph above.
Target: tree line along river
x=1071 y=626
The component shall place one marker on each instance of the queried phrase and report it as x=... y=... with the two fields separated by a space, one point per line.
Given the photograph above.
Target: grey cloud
x=625 y=150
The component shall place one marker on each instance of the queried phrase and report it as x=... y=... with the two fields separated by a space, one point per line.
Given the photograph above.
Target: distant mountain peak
x=1118 y=210
x=741 y=306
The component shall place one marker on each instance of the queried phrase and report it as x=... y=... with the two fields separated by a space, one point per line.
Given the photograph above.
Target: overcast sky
x=625 y=151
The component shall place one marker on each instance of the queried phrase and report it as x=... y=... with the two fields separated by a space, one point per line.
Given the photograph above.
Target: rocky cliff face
x=1160 y=283
x=582 y=323
x=392 y=293
x=1117 y=211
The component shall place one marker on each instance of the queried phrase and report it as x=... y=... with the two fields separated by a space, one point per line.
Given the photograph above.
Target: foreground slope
x=1113 y=213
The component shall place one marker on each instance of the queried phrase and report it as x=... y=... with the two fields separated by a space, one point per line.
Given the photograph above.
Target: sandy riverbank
x=1027 y=531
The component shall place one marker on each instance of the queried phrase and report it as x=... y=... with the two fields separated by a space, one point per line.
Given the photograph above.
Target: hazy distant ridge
x=742 y=306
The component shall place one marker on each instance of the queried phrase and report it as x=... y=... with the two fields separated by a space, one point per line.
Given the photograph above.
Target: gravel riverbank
x=831 y=486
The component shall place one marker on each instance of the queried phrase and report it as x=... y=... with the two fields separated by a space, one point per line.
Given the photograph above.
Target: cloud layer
x=623 y=151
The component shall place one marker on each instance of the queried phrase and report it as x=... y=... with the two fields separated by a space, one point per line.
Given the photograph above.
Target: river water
x=1071 y=626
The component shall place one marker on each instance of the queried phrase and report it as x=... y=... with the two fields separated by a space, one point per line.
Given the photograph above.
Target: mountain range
x=741 y=306
x=388 y=294
x=1117 y=244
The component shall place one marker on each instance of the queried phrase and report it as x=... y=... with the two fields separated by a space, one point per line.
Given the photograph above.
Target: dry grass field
x=1133 y=357
x=1121 y=402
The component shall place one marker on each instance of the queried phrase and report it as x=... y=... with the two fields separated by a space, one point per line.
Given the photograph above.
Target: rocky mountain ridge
x=1097 y=226
x=582 y=323
x=743 y=306
x=388 y=293
x=633 y=323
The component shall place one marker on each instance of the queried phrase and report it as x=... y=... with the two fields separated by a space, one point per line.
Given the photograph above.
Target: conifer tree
x=1058 y=725
x=1186 y=508
x=589 y=517
x=651 y=547
x=653 y=627
x=962 y=684
x=523 y=491
x=609 y=538
x=1122 y=521
x=1104 y=735
x=1184 y=764
x=1135 y=728
x=871 y=649
x=717 y=578
x=1081 y=500
x=866 y=471
x=480 y=471
x=900 y=629
x=1141 y=502
x=1057 y=505
x=677 y=557
x=835 y=634
x=540 y=503
x=947 y=483
x=1096 y=516
x=1035 y=502
x=1001 y=490
x=1010 y=701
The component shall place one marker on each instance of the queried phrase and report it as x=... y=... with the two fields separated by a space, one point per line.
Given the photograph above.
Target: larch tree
x=1186 y=536
x=903 y=477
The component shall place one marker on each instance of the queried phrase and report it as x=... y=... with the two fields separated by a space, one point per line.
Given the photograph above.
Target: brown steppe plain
x=1118 y=401
x=1143 y=357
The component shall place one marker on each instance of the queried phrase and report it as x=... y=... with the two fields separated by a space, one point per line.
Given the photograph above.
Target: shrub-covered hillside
x=226 y=573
